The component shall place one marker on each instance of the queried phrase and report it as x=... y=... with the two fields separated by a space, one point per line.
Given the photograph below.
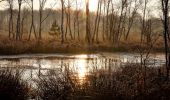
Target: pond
x=77 y=65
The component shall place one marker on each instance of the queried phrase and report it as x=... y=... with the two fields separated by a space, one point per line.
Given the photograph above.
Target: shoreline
x=71 y=52
x=11 y=47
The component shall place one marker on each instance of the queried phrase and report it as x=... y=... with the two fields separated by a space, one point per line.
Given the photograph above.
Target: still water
x=78 y=65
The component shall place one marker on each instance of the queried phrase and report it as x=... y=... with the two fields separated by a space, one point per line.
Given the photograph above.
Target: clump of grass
x=55 y=87
x=12 y=87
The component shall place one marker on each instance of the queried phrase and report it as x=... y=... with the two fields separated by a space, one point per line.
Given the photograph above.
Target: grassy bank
x=129 y=83
x=9 y=47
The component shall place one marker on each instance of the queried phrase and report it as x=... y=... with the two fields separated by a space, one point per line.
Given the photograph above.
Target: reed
x=12 y=87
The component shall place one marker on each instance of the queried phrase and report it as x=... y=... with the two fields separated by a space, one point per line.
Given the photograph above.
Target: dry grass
x=55 y=87
x=12 y=87
x=129 y=83
x=126 y=84
x=51 y=45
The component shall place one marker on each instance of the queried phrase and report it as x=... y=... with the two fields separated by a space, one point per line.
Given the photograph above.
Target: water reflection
x=78 y=65
x=81 y=56
x=82 y=69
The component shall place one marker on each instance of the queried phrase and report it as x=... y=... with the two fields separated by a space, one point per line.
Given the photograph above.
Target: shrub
x=12 y=87
x=55 y=87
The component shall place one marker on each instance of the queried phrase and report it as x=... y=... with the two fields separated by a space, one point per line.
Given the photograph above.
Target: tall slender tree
x=103 y=19
x=18 y=27
x=132 y=14
x=97 y=22
x=76 y=22
x=68 y=16
x=88 y=34
x=107 y=18
x=25 y=13
x=121 y=20
x=62 y=21
x=41 y=8
x=165 y=10
x=32 y=28
x=11 y=23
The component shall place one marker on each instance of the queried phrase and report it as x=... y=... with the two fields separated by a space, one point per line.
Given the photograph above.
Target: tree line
x=111 y=22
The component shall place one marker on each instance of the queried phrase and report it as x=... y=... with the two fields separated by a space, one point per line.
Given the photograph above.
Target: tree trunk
x=32 y=21
x=18 y=31
x=88 y=34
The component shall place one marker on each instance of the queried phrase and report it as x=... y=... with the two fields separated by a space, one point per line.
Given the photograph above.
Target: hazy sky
x=51 y=3
x=92 y=5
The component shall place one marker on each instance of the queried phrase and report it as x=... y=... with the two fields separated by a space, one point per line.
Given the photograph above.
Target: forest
x=126 y=25
x=84 y=49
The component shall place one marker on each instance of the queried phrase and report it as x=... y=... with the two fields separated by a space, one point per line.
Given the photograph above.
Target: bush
x=55 y=87
x=12 y=87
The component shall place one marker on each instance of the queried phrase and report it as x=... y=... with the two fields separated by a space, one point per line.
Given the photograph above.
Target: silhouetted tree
x=32 y=28
x=41 y=7
x=165 y=10
x=11 y=24
x=18 y=27
x=88 y=34
x=62 y=21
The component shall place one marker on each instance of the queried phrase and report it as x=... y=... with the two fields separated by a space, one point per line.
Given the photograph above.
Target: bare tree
x=62 y=21
x=121 y=20
x=97 y=22
x=112 y=23
x=132 y=13
x=41 y=7
x=32 y=28
x=18 y=27
x=88 y=34
x=143 y=21
x=107 y=18
x=11 y=24
x=68 y=21
x=143 y=30
x=165 y=10
x=76 y=22
x=25 y=13
x=104 y=3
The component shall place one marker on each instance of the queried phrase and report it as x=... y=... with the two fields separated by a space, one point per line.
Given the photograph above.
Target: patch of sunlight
x=81 y=56
x=81 y=69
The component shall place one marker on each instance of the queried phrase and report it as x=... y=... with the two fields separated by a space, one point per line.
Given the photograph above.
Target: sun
x=92 y=4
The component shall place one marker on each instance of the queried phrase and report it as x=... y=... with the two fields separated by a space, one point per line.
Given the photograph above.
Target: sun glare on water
x=81 y=56
x=82 y=68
